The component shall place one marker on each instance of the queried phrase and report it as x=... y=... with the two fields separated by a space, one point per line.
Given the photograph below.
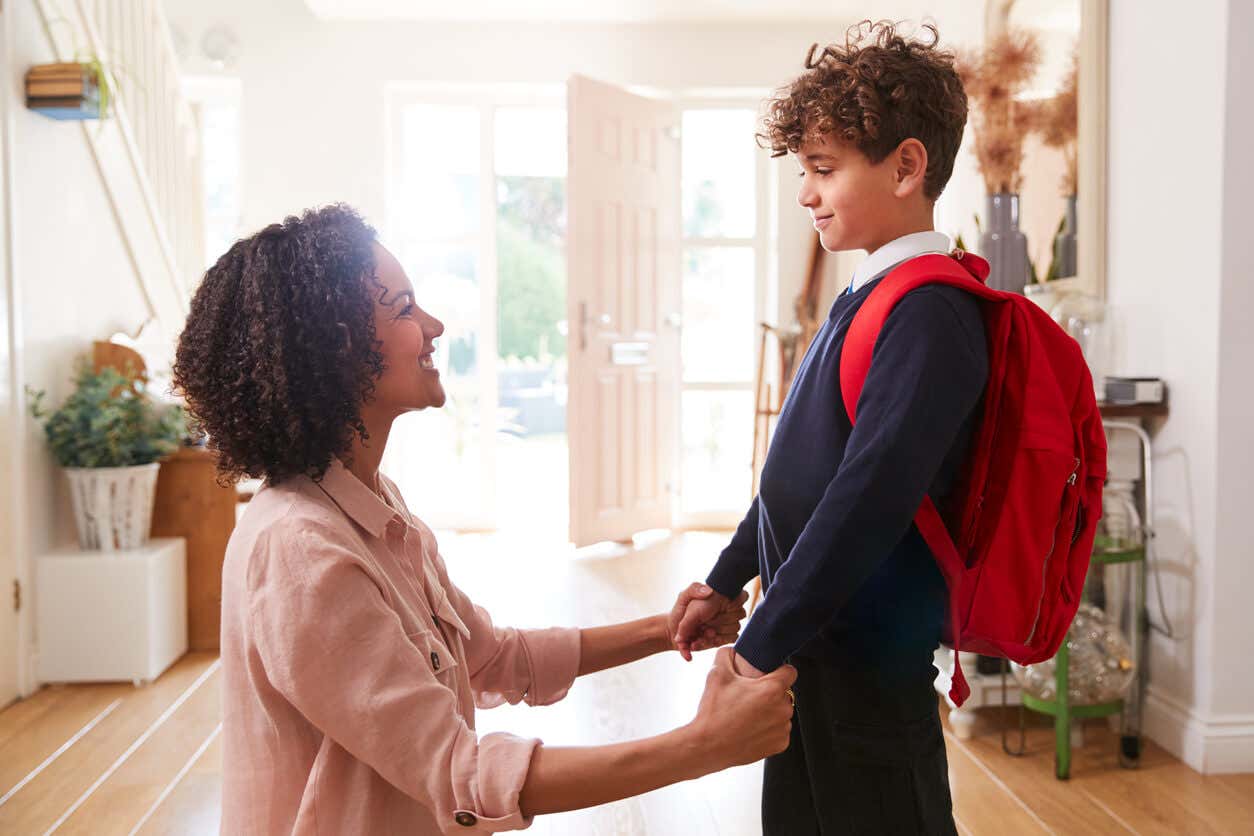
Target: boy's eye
x=407 y=310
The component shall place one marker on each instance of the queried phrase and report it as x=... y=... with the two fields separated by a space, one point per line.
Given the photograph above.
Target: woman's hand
x=739 y=721
x=743 y=720
x=703 y=618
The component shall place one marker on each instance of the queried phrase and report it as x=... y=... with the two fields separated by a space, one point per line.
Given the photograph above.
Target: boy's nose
x=807 y=197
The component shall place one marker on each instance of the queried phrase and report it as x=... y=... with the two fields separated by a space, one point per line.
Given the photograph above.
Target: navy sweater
x=847 y=577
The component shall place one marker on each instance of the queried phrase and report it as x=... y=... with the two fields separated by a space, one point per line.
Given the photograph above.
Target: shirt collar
x=895 y=252
x=362 y=505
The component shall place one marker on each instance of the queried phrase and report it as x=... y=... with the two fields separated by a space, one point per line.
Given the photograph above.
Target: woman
x=351 y=664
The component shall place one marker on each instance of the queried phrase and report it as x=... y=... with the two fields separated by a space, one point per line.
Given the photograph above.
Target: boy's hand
x=703 y=618
x=742 y=668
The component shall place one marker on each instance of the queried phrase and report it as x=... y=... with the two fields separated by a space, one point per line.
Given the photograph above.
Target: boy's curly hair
x=876 y=91
x=279 y=351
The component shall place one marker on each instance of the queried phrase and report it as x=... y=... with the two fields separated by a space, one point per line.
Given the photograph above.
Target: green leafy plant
x=105 y=74
x=1054 y=268
x=108 y=421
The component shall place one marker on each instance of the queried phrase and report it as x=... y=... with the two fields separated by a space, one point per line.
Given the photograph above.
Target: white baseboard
x=1222 y=744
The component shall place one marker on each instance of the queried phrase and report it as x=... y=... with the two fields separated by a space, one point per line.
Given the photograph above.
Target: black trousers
x=867 y=757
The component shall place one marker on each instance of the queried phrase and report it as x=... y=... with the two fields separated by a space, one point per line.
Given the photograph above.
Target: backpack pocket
x=1027 y=547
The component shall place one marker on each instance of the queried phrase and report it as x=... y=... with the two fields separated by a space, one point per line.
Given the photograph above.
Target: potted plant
x=108 y=436
x=994 y=79
x=1059 y=125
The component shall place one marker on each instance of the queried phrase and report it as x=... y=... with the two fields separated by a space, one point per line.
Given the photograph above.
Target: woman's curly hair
x=876 y=91
x=279 y=351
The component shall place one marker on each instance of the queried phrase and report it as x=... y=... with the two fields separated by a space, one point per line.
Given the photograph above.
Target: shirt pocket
x=439 y=658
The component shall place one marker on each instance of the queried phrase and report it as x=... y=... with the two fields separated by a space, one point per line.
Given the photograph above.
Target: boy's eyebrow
x=816 y=157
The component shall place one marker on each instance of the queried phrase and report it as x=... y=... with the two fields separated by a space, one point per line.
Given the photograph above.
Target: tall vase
x=1003 y=244
x=1064 y=244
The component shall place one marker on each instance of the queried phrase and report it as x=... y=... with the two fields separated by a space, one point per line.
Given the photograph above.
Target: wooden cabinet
x=191 y=504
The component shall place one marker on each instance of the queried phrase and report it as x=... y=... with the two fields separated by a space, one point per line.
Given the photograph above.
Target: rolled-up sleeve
x=329 y=643
x=510 y=665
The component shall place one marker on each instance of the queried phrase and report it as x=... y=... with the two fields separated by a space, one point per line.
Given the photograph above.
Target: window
x=480 y=227
x=724 y=285
x=216 y=103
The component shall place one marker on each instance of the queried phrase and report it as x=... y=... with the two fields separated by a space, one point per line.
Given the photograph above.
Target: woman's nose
x=433 y=327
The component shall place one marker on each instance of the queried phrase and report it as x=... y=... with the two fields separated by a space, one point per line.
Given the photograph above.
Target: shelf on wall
x=1133 y=410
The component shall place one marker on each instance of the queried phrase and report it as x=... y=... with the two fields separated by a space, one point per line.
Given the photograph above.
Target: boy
x=854 y=599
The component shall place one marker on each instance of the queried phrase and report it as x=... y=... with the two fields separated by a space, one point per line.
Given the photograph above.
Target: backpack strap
x=961 y=270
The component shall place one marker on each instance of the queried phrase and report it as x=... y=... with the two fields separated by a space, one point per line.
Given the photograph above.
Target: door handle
x=604 y=320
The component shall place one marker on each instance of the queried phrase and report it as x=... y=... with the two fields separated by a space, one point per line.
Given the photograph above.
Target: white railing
x=159 y=129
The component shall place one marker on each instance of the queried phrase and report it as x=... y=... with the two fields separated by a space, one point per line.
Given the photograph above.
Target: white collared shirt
x=895 y=252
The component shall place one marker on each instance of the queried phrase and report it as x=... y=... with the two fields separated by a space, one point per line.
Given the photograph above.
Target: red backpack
x=1015 y=541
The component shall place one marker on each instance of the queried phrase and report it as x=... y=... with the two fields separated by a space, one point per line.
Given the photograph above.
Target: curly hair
x=279 y=352
x=876 y=91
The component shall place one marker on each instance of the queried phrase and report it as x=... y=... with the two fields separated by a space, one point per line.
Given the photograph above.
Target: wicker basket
x=113 y=505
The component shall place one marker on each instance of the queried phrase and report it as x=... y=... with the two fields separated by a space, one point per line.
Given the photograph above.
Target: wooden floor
x=114 y=759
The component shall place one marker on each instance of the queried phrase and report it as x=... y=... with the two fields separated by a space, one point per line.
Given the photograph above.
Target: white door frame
x=18 y=677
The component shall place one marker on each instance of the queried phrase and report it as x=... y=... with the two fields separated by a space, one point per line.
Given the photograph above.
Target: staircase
x=148 y=149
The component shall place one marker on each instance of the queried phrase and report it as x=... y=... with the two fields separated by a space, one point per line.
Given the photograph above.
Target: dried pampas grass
x=993 y=78
x=1059 y=123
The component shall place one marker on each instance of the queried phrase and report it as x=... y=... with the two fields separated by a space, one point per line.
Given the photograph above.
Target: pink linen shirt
x=351 y=668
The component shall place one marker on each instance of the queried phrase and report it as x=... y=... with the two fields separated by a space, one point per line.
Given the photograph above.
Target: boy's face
x=850 y=199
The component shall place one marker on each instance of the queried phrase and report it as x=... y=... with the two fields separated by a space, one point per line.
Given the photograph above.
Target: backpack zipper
x=1053 y=544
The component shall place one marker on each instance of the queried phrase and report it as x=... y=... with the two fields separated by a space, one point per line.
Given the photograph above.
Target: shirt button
x=435 y=660
x=465 y=819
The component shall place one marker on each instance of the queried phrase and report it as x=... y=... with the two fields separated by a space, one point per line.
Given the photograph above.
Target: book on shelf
x=86 y=106
x=52 y=89
x=1134 y=390
x=57 y=69
x=78 y=111
x=45 y=102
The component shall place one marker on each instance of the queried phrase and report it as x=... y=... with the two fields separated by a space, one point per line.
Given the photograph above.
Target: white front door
x=624 y=301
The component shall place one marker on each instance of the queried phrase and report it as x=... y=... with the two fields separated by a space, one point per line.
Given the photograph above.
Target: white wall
x=74 y=282
x=313 y=111
x=313 y=103
x=1232 y=697
x=1179 y=220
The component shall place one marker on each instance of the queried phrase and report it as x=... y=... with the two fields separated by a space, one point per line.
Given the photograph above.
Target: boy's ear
x=911 y=167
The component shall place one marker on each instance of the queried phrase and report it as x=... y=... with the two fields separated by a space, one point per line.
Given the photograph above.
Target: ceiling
x=614 y=11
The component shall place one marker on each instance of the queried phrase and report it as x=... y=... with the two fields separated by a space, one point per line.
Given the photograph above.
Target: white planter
x=113 y=505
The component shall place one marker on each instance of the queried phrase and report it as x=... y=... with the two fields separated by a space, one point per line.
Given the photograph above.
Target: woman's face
x=410 y=380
